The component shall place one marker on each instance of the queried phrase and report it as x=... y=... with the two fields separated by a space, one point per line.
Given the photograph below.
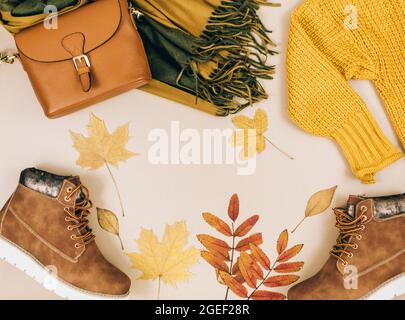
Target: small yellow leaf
x=319 y=202
x=100 y=146
x=168 y=259
x=251 y=136
x=108 y=221
x=243 y=122
x=248 y=140
x=261 y=121
x=282 y=241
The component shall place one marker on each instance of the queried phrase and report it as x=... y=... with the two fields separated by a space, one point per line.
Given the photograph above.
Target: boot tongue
x=76 y=181
x=352 y=203
x=80 y=197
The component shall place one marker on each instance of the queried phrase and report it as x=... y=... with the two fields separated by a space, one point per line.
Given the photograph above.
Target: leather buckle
x=79 y=59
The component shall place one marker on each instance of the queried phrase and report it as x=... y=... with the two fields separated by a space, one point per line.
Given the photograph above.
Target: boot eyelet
x=72 y=237
x=359 y=237
x=67 y=199
x=69 y=189
x=356 y=246
x=363 y=227
x=77 y=245
x=69 y=228
x=350 y=255
x=365 y=218
x=66 y=219
x=363 y=208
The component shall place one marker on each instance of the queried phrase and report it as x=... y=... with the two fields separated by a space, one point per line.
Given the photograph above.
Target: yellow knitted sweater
x=332 y=41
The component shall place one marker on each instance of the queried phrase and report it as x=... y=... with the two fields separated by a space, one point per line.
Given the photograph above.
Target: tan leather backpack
x=94 y=53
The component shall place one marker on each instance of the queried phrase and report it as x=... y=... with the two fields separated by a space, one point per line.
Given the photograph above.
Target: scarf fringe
x=237 y=36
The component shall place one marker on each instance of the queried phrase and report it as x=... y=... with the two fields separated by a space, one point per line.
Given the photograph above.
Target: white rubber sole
x=47 y=277
x=389 y=290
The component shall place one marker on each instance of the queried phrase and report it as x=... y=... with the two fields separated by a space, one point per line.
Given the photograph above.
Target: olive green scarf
x=207 y=54
x=16 y=15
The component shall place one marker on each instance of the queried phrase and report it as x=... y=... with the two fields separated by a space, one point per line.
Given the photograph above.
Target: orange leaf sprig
x=222 y=256
x=243 y=265
x=282 y=265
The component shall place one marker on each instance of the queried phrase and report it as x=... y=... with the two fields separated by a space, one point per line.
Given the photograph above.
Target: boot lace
x=77 y=215
x=349 y=227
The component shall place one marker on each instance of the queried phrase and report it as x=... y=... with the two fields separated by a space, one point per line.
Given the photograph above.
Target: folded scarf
x=207 y=54
x=16 y=15
x=214 y=50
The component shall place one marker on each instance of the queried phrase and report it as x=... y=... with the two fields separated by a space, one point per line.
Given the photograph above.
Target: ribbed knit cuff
x=366 y=147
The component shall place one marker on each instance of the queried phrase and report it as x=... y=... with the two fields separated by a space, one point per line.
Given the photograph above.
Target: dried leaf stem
x=232 y=257
x=159 y=287
x=116 y=187
x=279 y=149
x=298 y=225
x=265 y=278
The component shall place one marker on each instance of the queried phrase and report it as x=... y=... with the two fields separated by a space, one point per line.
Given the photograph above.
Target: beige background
x=156 y=195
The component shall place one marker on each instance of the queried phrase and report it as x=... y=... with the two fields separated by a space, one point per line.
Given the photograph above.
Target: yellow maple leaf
x=167 y=260
x=251 y=136
x=101 y=147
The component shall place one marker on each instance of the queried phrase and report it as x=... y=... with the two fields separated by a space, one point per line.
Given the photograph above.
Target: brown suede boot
x=368 y=260
x=44 y=232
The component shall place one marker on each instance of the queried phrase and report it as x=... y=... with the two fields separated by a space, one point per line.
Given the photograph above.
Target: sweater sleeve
x=321 y=57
